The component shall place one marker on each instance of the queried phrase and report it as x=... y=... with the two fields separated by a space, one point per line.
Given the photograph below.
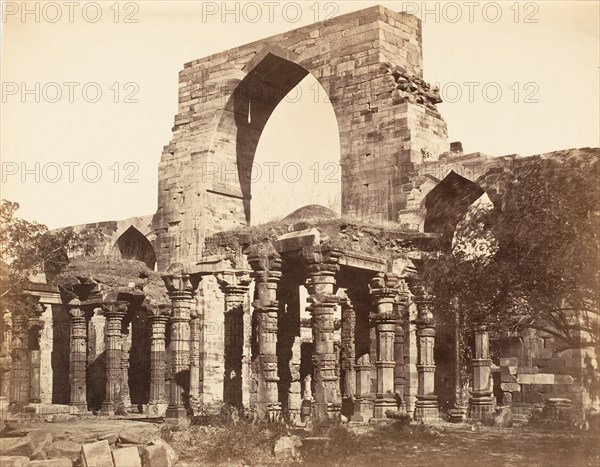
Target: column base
x=155 y=408
x=481 y=408
x=426 y=411
x=107 y=408
x=176 y=411
x=326 y=412
x=382 y=405
x=457 y=414
x=363 y=410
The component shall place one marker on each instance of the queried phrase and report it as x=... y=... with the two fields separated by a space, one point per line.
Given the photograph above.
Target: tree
x=532 y=261
x=29 y=248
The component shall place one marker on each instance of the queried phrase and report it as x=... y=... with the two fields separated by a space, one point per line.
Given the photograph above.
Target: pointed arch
x=133 y=244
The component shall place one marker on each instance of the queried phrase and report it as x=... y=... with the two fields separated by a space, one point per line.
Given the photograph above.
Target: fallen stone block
x=126 y=457
x=14 y=461
x=64 y=448
x=284 y=448
x=96 y=454
x=171 y=454
x=56 y=462
x=155 y=456
x=22 y=445
x=134 y=436
x=41 y=446
x=110 y=437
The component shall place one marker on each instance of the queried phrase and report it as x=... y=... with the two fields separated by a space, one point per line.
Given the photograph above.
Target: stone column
x=235 y=285
x=126 y=342
x=159 y=316
x=348 y=355
x=481 y=404
x=363 y=403
x=5 y=358
x=19 y=376
x=426 y=407
x=196 y=314
x=77 y=355
x=114 y=313
x=457 y=412
x=399 y=341
x=385 y=294
x=180 y=290
x=322 y=267
x=35 y=324
x=267 y=273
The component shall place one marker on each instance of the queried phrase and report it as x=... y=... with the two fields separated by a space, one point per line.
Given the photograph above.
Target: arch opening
x=273 y=164
x=132 y=244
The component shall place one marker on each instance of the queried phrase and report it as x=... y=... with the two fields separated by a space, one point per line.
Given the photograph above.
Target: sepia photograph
x=299 y=233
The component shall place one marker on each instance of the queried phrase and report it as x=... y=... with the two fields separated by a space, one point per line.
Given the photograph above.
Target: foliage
x=29 y=248
x=536 y=263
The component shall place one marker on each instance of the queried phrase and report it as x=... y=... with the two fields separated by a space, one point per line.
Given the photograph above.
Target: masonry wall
x=226 y=99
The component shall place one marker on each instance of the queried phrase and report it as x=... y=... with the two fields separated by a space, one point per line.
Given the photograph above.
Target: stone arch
x=447 y=203
x=360 y=59
x=133 y=244
x=271 y=75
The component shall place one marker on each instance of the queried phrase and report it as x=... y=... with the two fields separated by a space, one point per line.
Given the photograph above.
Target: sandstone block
x=284 y=448
x=23 y=445
x=171 y=454
x=14 y=461
x=540 y=378
x=96 y=454
x=126 y=457
x=64 y=448
x=56 y=462
x=510 y=387
x=155 y=456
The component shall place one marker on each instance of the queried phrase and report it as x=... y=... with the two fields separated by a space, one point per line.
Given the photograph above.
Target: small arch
x=447 y=203
x=133 y=244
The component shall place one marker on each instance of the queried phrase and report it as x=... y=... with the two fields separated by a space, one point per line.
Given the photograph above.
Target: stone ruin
x=229 y=327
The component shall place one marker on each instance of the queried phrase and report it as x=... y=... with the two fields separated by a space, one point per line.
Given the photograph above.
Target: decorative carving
x=412 y=88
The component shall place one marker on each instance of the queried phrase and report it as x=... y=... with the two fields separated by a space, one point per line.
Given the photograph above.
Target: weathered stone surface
x=14 y=461
x=284 y=448
x=12 y=445
x=155 y=456
x=42 y=446
x=56 y=462
x=510 y=387
x=171 y=454
x=126 y=457
x=96 y=454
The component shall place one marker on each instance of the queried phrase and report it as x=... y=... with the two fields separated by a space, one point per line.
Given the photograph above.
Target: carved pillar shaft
x=348 y=353
x=180 y=293
x=426 y=408
x=385 y=295
x=5 y=358
x=399 y=369
x=35 y=329
x=481 y=404
x=114 y=313
x=321 y=284
x=234 y=285
x=267 y=275
x=126 y=342
x=19 y=377
x=157 y=358
x=77 y=356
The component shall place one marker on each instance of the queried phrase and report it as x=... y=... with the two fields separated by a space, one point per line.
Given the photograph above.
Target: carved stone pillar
x=35 y=324
x=5 y=358
x=126 y=342
x=426 y=407
x=348 y=355
x=363 y=403
x=180 y=290
x=267 y=273
x=196 y=314
x=114 y=313
x=158 y=316
x=400 y=369
x=481 y=404
x=457 y=412
x=19 y=377
x=322 y=267
x=77 y=355
x=235 y=285
x=385 y=295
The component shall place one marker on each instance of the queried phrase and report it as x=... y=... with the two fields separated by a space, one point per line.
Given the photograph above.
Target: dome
x=310 y=212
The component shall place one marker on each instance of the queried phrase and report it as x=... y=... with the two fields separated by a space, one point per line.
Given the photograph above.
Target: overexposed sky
x=543 y=58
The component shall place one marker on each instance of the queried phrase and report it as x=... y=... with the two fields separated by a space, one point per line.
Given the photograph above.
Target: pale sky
x=542 y=56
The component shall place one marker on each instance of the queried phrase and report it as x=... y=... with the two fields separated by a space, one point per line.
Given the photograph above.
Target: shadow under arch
x=447 y=203
x=272 y=74
x=133 y=244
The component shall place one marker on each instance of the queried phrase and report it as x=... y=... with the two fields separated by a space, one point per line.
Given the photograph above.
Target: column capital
x=266 y=267
x=234 y=282
x=178 y=285
x=114 y=309
x=424 y=302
